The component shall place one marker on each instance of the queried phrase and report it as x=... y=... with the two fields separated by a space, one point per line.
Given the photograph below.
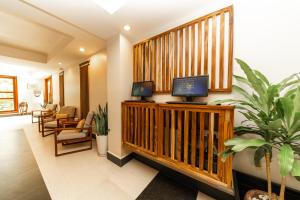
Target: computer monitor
x=190 y=87
x=142 y=89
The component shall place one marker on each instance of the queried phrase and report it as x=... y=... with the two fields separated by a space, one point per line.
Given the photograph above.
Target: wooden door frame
x=46 y=99
x=86 y=96
x=61 y=89
x=15 y=94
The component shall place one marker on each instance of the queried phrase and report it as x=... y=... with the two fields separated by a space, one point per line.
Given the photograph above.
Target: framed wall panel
x=203 y=46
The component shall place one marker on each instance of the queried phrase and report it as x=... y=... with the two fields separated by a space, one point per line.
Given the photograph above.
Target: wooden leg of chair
x=55 y=143
x=39 y=124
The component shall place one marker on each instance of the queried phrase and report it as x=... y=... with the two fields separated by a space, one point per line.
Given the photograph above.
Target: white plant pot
x=101 y=144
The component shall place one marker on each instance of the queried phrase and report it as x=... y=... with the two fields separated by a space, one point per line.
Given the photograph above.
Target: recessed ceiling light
x=127 y=28
x=59 y=63
x=81 y=49
x=110 y=6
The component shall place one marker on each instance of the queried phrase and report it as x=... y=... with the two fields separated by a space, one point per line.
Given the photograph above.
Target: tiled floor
x=20 y=177
x=83 y=175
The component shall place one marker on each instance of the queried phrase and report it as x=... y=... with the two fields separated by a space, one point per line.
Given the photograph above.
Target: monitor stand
x=142 y=100
x=189 y=100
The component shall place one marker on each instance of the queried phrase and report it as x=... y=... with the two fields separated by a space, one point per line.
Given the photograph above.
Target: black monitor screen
x=196 y=86
x=142 y=89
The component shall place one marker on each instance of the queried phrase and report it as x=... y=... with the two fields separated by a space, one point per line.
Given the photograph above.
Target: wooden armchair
x=49 y=122
x=49 y=109
x=23 y=107
x=67 y=136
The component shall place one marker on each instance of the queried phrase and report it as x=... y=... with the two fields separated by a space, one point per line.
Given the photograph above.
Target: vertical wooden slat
x=180 y=54
x=151 y=129
x=193 y=139
x=210 y=142
x=221 y=148
x=134 y=64
x=139 y=127
x=221 y=59
x=131 y=125
x=159 y=65
x=147 y=129
x=171 y=59
x=151 y=67
x=213 y=53
x=123 y=122
x=147 y=73
x=199 y=48
x=179 y=130
x=154 y=62
x=230 y=53
x=175 y=52
x=143 y=127
x=192 y=50
x=138 y=59
x=201 y=142
x=206 y=47
x=135 y=125
x=157 y=130
x=160 y=137
x=173 y=134
x=141 y=75
x=187 y=57
x=163 y=64
x=167 y=134
x=128 y=124
x=186 y=136
x=167 y=88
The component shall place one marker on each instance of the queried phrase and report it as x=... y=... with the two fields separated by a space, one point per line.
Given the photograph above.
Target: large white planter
x=101 y=144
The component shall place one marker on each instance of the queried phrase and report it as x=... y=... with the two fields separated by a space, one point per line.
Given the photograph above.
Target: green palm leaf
x=286 y=159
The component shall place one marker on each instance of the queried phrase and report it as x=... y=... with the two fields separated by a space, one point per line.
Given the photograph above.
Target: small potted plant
x=272 y=113
x=101 y=121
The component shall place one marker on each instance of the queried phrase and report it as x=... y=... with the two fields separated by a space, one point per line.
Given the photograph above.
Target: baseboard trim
x=185 y=180
x=119 y=161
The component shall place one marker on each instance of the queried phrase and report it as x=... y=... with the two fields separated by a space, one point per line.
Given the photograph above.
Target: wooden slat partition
x=139 y=126
x=187 y=137
x=203 y=46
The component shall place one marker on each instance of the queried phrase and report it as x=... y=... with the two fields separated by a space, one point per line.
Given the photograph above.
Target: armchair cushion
x=61 y=116
x=70 y=110
x=70 y=134
x=80 y=124
x=51 y=124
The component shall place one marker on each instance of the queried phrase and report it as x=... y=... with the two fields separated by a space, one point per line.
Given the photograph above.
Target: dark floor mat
x=162 y=188
x=20 y=177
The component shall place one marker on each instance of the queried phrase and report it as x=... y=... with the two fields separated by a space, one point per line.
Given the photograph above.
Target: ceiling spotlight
x=127 y=28
x=59 y=63
x=81 y=49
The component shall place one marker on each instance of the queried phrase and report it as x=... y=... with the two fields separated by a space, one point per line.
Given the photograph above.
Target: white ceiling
x=142 y=15
x=45 y=32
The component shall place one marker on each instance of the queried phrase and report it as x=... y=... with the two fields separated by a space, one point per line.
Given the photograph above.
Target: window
x=8 y=94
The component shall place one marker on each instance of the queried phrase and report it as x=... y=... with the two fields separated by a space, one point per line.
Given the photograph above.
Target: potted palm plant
x=272 y=113
x=101 y=121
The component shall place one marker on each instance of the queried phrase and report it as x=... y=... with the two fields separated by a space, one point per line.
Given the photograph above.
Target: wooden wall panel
x=203 y=46
x=188 y=136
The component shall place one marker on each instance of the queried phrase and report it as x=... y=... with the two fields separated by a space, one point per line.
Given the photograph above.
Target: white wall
x=72 y=86
x=26 y=94
x=119 y=79
x=266 y=35
x=97 y=82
